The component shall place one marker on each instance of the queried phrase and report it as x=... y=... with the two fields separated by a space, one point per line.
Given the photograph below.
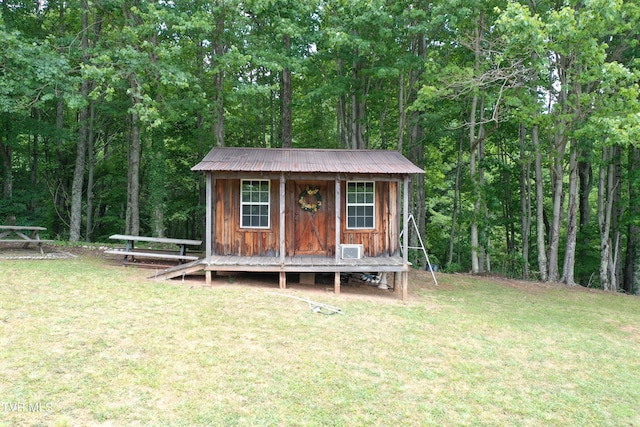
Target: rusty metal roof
x=303 y=160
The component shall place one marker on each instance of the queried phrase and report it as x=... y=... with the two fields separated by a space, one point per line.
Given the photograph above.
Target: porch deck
x=297 y=264
x=311 y=264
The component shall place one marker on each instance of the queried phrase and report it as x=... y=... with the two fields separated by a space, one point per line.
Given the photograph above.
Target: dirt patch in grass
x=17 y=251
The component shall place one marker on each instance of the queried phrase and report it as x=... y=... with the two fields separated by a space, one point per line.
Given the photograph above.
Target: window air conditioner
x=351 y=251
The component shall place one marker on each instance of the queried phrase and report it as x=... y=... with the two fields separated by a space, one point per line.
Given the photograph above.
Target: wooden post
x=405 y=222
x=405 y=283
x=283 y=249
x=207 y=277
x=405 y=243
x=283 y=280
x=209 y=217
x=336 y=283
x=338 y=222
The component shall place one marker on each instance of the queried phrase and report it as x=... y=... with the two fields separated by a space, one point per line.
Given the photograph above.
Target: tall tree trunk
x=585 y=175
x=156 y=171
x=287 y=132
x=156 y=178
x=219 y=50
x=75 y=226
x=91 y=163
x=572 y=218
x=525 y=201
x=475 y=241
x=557 y=177
x=358 y=106
x=616 y=215
x=540 y=225
x=483 y=212
x=605 y=207
x=34 y=151
x=402 y=111
x=456 y=199
x=475 y=153
x=562 y=122
x=132 y=225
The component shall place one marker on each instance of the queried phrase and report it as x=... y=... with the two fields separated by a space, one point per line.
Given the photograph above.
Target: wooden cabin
x=306 y=211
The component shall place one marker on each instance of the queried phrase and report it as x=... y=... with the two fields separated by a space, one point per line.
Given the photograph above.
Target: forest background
x=524 y=115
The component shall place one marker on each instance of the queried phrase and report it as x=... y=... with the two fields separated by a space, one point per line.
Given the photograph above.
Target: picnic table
x=26 y=234
x=130 y=252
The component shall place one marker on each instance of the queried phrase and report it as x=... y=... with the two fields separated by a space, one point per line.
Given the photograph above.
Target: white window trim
x=243 y=204
x=347 y=205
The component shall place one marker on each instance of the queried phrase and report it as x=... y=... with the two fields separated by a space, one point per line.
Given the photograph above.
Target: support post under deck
x=283 y=280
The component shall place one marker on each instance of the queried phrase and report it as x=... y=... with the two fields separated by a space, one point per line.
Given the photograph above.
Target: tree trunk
x=75 y=226
x=557 y=177
x=402 y=112
x=156 y=179
x=91 y=162
x=605 y=206
x=540 y=225
x=34 y=151
x=572 y=219
x=525 y=201
x=475 y=152
x=616 y=215
x=218 y=77
x=585 y=175
x=132 y=224
x=475 y=242
x=287 y=132
x=456 y=198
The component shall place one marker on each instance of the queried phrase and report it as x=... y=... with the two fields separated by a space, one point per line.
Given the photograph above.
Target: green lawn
x=84 y=342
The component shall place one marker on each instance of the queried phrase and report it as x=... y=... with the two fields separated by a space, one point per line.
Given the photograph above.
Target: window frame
x=361 y=204
x=252 y=203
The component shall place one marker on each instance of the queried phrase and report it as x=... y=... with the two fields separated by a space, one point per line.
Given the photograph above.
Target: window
x=254 y=204
x=361 y=203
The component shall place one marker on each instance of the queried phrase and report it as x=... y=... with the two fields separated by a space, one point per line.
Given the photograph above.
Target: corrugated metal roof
x=303 y=160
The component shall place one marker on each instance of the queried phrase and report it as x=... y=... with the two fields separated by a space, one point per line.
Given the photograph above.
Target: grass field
x=84 y=342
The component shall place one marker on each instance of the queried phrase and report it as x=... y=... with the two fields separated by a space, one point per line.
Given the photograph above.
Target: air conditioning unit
x=351 y=251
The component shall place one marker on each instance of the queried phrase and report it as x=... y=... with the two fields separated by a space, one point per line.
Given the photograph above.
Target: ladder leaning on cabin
x=424 y=251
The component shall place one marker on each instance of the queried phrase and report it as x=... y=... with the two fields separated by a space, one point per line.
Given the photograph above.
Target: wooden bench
x=158 y=255
x=130 y=253
x=27 y=235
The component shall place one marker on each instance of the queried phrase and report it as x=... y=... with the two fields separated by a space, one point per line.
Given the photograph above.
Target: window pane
x=360 y=204
x=369 y=198
x=255 y=203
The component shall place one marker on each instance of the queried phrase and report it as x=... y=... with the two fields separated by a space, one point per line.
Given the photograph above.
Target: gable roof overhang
x=304 y=160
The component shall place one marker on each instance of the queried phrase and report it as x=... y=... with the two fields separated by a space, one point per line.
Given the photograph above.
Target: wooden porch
x=311 y=264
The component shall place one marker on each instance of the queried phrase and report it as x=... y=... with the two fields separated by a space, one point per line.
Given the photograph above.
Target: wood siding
x=306 y=233
x=229 y=237
x=382 y=240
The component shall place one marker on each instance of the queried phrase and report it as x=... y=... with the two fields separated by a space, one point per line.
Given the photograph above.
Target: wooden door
x=313 y=228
